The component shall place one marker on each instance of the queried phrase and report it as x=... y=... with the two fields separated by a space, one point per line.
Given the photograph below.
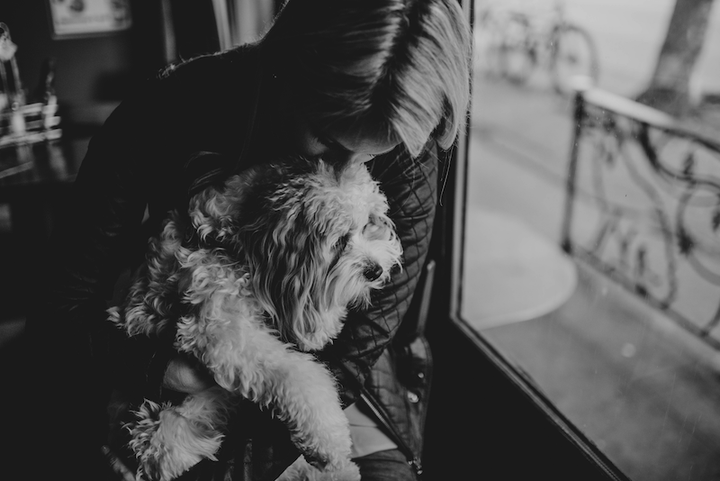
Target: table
x=512 y=273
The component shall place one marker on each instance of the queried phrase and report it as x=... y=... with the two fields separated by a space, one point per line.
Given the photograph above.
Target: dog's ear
x=289 y=259
x=214 y=212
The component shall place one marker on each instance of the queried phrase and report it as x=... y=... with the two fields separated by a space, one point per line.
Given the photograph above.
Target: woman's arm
x=136 y=160
x=411 y=188
x=67 y=332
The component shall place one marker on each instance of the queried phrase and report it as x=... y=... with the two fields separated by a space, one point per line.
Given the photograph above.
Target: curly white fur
x=261 y=270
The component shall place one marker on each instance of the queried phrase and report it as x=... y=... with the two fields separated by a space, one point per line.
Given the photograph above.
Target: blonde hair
x=398 y=67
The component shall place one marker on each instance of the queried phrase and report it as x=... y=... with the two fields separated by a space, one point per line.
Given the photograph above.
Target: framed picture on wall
x=72 y=18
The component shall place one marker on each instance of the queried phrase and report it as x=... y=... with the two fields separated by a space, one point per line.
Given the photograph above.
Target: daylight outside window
x=593 y=229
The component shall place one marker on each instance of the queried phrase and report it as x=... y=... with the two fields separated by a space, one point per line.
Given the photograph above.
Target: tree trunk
x=669 y=88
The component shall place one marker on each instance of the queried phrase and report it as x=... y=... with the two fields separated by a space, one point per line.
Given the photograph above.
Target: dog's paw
x=302 y=470
x=333 y=460
x=327 y=448
x=167 y=444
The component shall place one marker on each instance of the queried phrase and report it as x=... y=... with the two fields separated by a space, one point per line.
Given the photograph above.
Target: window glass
x=626 y=348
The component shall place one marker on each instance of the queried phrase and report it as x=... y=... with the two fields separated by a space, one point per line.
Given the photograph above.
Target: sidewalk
x=641 y=388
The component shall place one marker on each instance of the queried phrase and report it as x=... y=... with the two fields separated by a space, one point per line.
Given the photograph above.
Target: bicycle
x=564 y=49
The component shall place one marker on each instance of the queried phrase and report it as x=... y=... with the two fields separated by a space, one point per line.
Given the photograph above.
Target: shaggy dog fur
x=261 y=271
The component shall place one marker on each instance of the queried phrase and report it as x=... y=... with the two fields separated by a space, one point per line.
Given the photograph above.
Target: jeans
x=390 y=465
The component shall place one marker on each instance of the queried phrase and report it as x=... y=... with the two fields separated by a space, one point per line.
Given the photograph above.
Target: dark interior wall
x=92 y=72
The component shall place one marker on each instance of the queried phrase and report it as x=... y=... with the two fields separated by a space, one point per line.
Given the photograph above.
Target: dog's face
x=317 y=240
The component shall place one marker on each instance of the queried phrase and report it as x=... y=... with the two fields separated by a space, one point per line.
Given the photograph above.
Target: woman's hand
x=187 y=376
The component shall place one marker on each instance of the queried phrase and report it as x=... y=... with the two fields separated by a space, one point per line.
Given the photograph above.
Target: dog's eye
x=370 y=229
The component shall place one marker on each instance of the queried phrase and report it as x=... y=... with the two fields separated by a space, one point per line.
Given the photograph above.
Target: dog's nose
x=372 y=272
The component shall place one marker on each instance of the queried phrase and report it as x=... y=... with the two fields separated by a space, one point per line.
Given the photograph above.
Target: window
x=636 y=372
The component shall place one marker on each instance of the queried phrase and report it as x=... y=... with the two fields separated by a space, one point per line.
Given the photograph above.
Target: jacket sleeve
x=101 y=231
x=68 y=338
x=136 y=161
x=411 y=187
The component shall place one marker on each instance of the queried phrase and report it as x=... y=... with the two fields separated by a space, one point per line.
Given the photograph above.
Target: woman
x=380 y=81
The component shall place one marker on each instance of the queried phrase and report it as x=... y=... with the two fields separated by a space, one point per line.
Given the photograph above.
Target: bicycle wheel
x=516 y=52
x=572 y=54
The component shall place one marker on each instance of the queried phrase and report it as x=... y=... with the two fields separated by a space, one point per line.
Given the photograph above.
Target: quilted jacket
x=139 y=166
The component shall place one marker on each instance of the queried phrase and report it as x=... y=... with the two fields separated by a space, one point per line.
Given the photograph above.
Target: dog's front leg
x=247 y=357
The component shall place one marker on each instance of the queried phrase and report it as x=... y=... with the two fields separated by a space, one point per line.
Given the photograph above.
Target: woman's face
x=336 y=146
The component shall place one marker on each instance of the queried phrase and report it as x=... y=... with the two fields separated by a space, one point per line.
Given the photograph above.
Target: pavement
x=643 y=389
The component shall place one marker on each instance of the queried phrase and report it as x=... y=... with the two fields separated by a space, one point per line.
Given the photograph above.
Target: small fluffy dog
x=260 y=271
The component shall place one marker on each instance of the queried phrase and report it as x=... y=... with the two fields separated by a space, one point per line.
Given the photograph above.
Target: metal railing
x=643 y=207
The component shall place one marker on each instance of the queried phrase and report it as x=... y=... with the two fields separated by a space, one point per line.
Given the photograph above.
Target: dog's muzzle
x=372 y=271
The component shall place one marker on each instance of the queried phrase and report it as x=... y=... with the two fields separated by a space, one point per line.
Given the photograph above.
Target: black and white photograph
x=360 y=240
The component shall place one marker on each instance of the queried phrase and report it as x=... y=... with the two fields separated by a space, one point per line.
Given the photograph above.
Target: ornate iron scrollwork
x=643 y=207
